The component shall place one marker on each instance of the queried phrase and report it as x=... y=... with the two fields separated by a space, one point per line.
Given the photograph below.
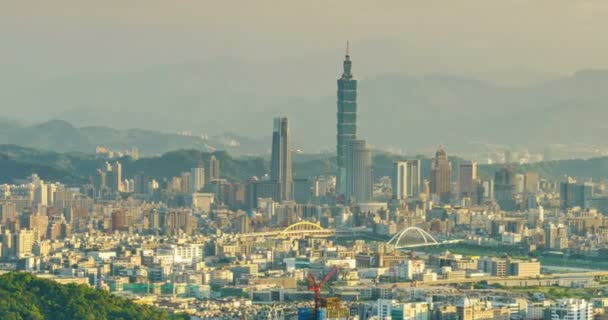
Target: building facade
x=197 y=179
x=399 y=180
x=467 y=174
x=346 y=118
x=280 y=165
x=359 y=180
x=570 y=309
x=441 y=175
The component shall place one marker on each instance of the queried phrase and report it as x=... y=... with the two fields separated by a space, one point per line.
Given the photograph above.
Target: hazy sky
x=507 y=41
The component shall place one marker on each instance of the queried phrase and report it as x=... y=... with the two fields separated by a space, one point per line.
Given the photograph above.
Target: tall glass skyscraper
x=280 y=166
x=347 y=118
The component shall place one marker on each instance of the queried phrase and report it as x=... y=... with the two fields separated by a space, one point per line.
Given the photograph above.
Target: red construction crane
x=316 y=287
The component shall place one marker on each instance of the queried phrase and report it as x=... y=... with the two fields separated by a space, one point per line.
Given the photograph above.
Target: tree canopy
x=23 y=296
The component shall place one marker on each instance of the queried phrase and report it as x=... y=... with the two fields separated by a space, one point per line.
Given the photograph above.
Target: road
x=570 y=276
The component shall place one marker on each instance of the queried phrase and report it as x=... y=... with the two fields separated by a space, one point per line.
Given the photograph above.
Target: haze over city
x=191 y=65
x=312 y=160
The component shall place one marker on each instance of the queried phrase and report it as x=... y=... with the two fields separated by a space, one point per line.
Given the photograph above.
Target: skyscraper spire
x=347 y=63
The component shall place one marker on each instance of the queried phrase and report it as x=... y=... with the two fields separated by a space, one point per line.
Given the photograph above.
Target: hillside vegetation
x=75 y=168
x=23 y=296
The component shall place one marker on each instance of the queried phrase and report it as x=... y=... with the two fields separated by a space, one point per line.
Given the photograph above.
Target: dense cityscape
x=438 y=243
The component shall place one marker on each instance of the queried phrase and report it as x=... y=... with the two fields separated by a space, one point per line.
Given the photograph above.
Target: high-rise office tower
x=197 y=178
x=347 y=118
x=467 y=174
x=359 y=180
x=40 y=194
x=141 y=183
x=400 y=180
x=214 y=168
x=413 y=177
x=504 y=189
x=574 y=194
x=441 y=175
x=117 y=185
x=280 y=166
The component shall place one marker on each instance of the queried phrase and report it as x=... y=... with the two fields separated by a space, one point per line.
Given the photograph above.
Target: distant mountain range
x=395 y=110
x=75 y=168
x=61 y=136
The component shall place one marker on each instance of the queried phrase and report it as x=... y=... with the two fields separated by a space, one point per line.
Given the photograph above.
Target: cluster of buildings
x=107 y=152
x=221 y=249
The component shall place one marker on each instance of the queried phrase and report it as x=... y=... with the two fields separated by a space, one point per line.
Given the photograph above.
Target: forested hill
x=23 y=296
x=74 y=168
x=18 y=162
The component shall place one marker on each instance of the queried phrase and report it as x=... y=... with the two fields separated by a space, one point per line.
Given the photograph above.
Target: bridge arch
x=303 y=227
x=428 y=239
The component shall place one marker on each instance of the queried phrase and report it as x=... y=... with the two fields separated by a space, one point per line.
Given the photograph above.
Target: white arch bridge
x=412 y=237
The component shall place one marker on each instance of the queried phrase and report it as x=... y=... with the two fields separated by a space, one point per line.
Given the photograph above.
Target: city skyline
x=393 y=185
x=426 y=75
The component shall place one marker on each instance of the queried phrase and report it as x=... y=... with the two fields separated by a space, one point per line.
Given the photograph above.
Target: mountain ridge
x=62 y=136
x=220 y=95
x=76 y=168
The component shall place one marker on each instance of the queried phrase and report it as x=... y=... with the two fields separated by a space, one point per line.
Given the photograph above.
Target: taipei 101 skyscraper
x=347 y=118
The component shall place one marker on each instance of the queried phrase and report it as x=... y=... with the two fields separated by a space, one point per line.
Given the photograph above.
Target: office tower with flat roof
x=197 y=178
x=117 y=184
x=140 y=183
x=574 y=194
x=413 y=178
x=359 y=175
x=400 y=180
x=504 y=189
x=346 y=118
x=441 y=175
x=467 y=174
x=280 y=165
x=214 y=168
